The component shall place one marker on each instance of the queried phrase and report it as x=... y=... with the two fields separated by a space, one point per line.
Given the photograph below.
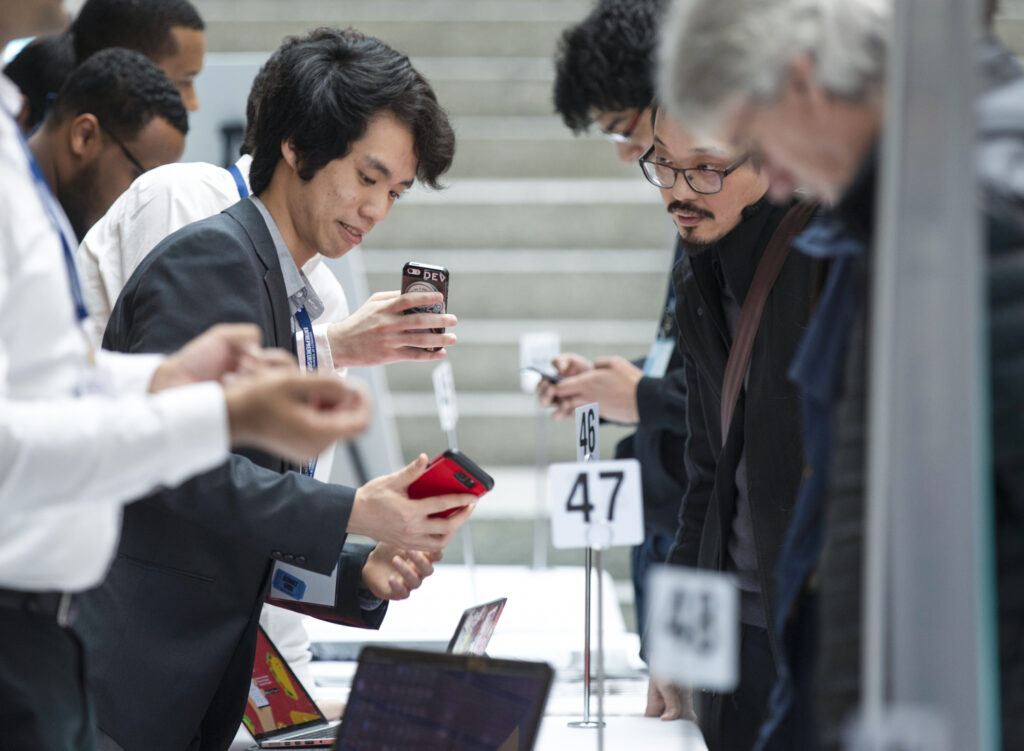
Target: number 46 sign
x=598 y=504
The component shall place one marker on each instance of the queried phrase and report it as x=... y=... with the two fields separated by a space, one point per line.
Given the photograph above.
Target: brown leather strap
x=767 y=272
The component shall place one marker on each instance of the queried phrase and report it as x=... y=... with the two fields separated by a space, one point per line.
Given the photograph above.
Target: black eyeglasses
x=705 y=180
x=131 y=157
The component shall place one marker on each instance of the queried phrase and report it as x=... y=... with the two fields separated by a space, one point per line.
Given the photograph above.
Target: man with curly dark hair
x=604 y=73
x=116 y=117
x=604 y=76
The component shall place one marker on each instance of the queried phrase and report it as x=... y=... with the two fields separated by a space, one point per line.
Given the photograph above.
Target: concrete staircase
x=540 y=230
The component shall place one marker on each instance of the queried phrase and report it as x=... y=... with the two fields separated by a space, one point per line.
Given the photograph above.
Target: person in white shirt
x=80 y=436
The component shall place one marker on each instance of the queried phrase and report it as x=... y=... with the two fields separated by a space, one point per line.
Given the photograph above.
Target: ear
x=290 y=155
x=85 y=137
x=23 y=113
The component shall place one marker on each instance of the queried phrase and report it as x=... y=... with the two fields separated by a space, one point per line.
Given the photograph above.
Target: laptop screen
x=277 y=701
x=424 y=700
x=476 y=627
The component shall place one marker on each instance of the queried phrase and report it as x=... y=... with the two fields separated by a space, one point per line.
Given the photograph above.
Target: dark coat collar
x=249 y=218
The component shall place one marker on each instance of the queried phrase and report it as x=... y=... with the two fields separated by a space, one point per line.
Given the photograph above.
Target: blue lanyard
x=53 y=212
x=309 y=352
x=243 y=191
x=308 y=343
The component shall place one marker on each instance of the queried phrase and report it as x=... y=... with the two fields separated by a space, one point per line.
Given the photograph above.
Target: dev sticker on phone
x=597 y=505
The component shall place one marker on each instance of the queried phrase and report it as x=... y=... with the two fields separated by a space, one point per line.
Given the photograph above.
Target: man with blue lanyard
x=346 y=125
x=83 y=432
x=168 y=198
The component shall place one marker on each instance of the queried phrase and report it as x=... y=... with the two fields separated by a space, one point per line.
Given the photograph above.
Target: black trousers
x=730 y=722
x=43 y=702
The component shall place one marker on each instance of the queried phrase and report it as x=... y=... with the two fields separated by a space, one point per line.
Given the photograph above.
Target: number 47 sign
x=598 y=504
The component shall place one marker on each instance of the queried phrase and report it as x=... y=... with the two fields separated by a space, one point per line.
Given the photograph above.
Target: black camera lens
x=465 y=479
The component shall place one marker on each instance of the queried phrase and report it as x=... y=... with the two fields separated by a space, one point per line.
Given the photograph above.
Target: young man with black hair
x=166 y=199
x=345 y=130
x=604 y=74
x=39 y=70
x=168 y=32
x=115 y=118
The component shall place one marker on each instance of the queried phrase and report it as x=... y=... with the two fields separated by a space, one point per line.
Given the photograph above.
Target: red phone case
x=451 y=472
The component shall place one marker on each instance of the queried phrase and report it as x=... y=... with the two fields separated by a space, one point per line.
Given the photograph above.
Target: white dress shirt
x=70 y=454
x=158 y=203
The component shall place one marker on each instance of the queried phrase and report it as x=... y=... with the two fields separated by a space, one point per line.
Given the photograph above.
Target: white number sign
x=587 y=438
x=597 y=505
x=693 y=627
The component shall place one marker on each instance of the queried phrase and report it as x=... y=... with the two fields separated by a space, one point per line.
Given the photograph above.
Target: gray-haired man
x=804 y=80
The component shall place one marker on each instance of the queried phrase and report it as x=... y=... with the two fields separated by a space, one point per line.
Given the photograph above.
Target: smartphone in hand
x=423 y=277
x=549 y=376
x=451 y=472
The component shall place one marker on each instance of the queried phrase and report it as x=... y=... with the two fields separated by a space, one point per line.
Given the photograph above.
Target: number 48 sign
x=598 y=504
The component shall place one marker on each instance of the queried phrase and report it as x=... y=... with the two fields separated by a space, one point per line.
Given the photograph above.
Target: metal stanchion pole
x=540 y=533
x=588 y=562
x=600 y=652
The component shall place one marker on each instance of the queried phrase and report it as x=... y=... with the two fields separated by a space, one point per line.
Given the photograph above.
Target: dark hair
x=990 y=8
x=606 y=62
x=40 y=70
x=320 y=94
x=124 y=90
x=141 y=25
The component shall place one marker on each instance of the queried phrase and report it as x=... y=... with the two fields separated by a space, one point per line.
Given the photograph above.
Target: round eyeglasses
x=704 y=180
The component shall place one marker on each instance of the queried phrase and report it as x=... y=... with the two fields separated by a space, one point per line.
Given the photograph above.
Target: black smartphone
x=549 y=376
x=424 y=277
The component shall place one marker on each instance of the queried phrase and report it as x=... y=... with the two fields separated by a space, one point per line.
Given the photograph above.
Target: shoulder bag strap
x=753 y=305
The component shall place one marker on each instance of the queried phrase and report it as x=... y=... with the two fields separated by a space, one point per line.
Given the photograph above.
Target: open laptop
x=280 y=712
x=426 y=700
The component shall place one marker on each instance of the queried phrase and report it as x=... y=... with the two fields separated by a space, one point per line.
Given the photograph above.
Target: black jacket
x=767 y=416
x=171 y=634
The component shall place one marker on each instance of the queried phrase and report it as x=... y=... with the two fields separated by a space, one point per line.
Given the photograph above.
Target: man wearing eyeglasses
x=116 y=117
x=604 y=78
x=743 y=467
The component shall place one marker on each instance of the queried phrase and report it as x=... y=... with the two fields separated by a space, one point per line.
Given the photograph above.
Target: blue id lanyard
x=309 y=354
x=53 y=213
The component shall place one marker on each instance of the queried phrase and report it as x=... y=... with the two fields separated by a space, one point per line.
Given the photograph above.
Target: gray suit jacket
x=171 y=634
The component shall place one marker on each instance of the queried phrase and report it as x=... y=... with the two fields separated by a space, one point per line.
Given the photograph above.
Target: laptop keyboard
x=316 y=734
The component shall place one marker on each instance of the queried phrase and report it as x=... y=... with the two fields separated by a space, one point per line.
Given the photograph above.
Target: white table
x=543 y=620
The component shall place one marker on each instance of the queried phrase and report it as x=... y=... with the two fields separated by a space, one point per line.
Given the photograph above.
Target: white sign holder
x=587 y=448
x=537 y=349
x=595 y=505
x=448 y=413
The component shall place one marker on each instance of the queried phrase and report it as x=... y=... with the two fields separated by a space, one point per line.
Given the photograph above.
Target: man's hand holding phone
x=384 y=511
x=610 y=381
x=380 y=332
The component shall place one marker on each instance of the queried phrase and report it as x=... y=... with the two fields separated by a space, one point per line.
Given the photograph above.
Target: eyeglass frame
x=626 y=135
x=131 y=157
x=676 y=171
